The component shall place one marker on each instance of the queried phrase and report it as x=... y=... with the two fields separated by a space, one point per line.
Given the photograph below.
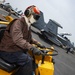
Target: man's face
x=31 y=19
x=34 y=18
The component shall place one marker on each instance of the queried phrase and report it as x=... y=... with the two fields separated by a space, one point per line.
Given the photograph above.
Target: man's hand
x=36 y=51
x=41 y=46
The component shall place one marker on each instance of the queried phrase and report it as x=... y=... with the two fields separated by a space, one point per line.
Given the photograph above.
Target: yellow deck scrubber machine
x=43 y=64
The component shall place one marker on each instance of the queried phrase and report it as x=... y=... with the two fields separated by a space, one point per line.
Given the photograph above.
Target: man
x=17 y=41
x=68 y=50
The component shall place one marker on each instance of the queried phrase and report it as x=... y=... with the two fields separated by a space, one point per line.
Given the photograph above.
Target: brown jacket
x=17 y=37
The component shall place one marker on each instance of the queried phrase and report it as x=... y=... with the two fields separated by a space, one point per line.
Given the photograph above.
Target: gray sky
x=62 y=11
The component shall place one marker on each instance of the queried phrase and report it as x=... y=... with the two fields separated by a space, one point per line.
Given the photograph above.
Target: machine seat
x=7 y=66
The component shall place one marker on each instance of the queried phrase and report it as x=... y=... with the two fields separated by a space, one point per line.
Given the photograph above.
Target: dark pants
x=21 y=59
x=68 y=50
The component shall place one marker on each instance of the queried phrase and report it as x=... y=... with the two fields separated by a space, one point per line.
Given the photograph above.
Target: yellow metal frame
x=8 y=18
x=6 y=23
x=2 y=72
x=46 y=68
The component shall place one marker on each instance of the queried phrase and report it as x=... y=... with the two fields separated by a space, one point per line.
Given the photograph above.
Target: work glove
x=41 y=46
x=36 y=51
x=45 y=51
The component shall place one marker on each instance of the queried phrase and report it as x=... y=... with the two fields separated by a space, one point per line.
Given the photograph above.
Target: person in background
x=17 y=41
x=68 y=50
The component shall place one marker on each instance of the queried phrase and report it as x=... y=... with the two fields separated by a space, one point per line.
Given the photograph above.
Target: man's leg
x=21 y=59
x=25 y=63
x=67 y=51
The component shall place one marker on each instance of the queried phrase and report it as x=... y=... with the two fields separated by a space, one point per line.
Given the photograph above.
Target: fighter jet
x=48 y=30
x=64 y=39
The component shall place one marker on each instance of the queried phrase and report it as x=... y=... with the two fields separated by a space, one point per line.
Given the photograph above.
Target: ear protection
x=27 y=13
x=30 y=10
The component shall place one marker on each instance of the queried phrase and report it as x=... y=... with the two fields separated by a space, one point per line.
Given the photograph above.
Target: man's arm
x=37 y=43
x=34 y=41
x=17 y=35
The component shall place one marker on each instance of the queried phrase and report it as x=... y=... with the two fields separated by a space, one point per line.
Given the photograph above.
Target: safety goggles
x=36 y=16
